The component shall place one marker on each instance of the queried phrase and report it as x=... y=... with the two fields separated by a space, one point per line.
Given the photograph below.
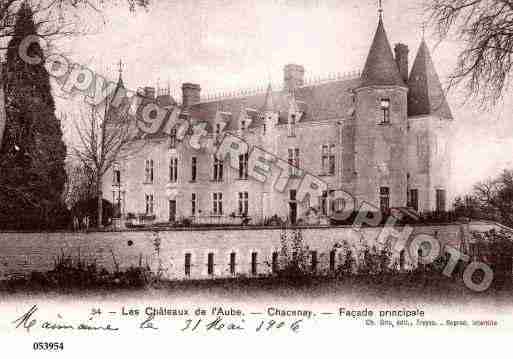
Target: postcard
x=249 y=178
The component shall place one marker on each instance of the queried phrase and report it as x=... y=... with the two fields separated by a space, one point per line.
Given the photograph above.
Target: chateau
x=382 y=136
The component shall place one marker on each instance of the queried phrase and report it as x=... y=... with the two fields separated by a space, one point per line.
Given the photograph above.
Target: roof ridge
x=309 y=82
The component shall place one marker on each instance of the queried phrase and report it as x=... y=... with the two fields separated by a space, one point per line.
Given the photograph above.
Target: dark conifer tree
x=32 y=172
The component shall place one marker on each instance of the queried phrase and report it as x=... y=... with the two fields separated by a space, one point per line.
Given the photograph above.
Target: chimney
x=293 y=77
x=401 y=58
x=149 y=92
x=190 y=94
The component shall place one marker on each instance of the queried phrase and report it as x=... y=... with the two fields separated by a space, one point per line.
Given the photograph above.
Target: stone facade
x=382 y=136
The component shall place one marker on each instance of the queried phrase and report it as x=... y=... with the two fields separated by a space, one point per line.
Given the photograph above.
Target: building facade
x=382 y=135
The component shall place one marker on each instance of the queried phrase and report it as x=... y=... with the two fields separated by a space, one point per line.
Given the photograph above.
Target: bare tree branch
x=485 y=27
x=105 y=137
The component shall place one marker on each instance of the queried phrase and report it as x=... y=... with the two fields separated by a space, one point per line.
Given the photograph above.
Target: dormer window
x=385 y=103
x=116 y=180
x=291 y=125
x=385 y=107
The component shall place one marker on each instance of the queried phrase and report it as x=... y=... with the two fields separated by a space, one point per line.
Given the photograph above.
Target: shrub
x=496 y=249
x=69 y=273
x=293 y=257
x=275 y=220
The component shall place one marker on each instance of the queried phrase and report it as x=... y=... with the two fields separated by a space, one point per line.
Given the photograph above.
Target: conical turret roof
x=380 y=68
x=426 y=95
x=268 y=103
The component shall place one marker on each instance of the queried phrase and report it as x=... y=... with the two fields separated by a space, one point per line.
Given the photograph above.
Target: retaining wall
x=22 y=253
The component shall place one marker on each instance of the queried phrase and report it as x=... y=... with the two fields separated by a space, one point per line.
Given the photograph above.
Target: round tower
x=380 y=128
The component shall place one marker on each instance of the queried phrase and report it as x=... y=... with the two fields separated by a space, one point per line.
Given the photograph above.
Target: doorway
x=292 y=207
x=293 y=212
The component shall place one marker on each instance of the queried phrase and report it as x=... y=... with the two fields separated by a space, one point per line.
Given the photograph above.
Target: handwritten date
x=219 y=324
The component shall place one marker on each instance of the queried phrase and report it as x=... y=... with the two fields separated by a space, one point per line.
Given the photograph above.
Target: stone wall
x=22 y=253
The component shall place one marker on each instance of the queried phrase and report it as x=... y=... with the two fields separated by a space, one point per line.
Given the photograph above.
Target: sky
x=228 y=45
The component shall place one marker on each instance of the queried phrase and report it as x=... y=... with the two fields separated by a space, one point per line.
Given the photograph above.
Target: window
x=328 y=159
x=243 y=125
x=291 y=125
x=116 y=199
x=187 y=264
x=275 y=265
x=385 y=107
x=333 y=254
x=173 y=169
x=292 y=194
x=172 y=138
x=440 y=200
x=149 y=204
x=116 y=180
x=218 y=203
x=338 y=205
x=232 y=263
x=294 y=162
x=315 y=261
x=254 y=263
x=243 y=166
x=243 y=203
x=210 y=264
x=414 y=199
x=327 y=203
x=324 y=203
x=333 y=205
x=384 y=199
x=194 y=165
x=148 y=171
x=218 y=170
x=421 y=148
x=264 y=128
x=194 y=204
x=218 y=130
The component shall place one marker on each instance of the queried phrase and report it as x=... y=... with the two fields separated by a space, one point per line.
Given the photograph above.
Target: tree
x=80 y=185
x=3 y=116
x=107 y=135
x=33 y=152
x=491 y=199
x=467 y=206
x=486 y=30
x=54 y=18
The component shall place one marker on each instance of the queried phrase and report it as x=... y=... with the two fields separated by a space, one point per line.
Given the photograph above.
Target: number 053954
x=48 y=346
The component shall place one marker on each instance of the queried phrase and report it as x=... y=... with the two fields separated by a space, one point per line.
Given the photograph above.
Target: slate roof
x=332 y=99
x=426 y=95
x=269 y=101
x=165 y=101
x=380 y=67
x=318 y=102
